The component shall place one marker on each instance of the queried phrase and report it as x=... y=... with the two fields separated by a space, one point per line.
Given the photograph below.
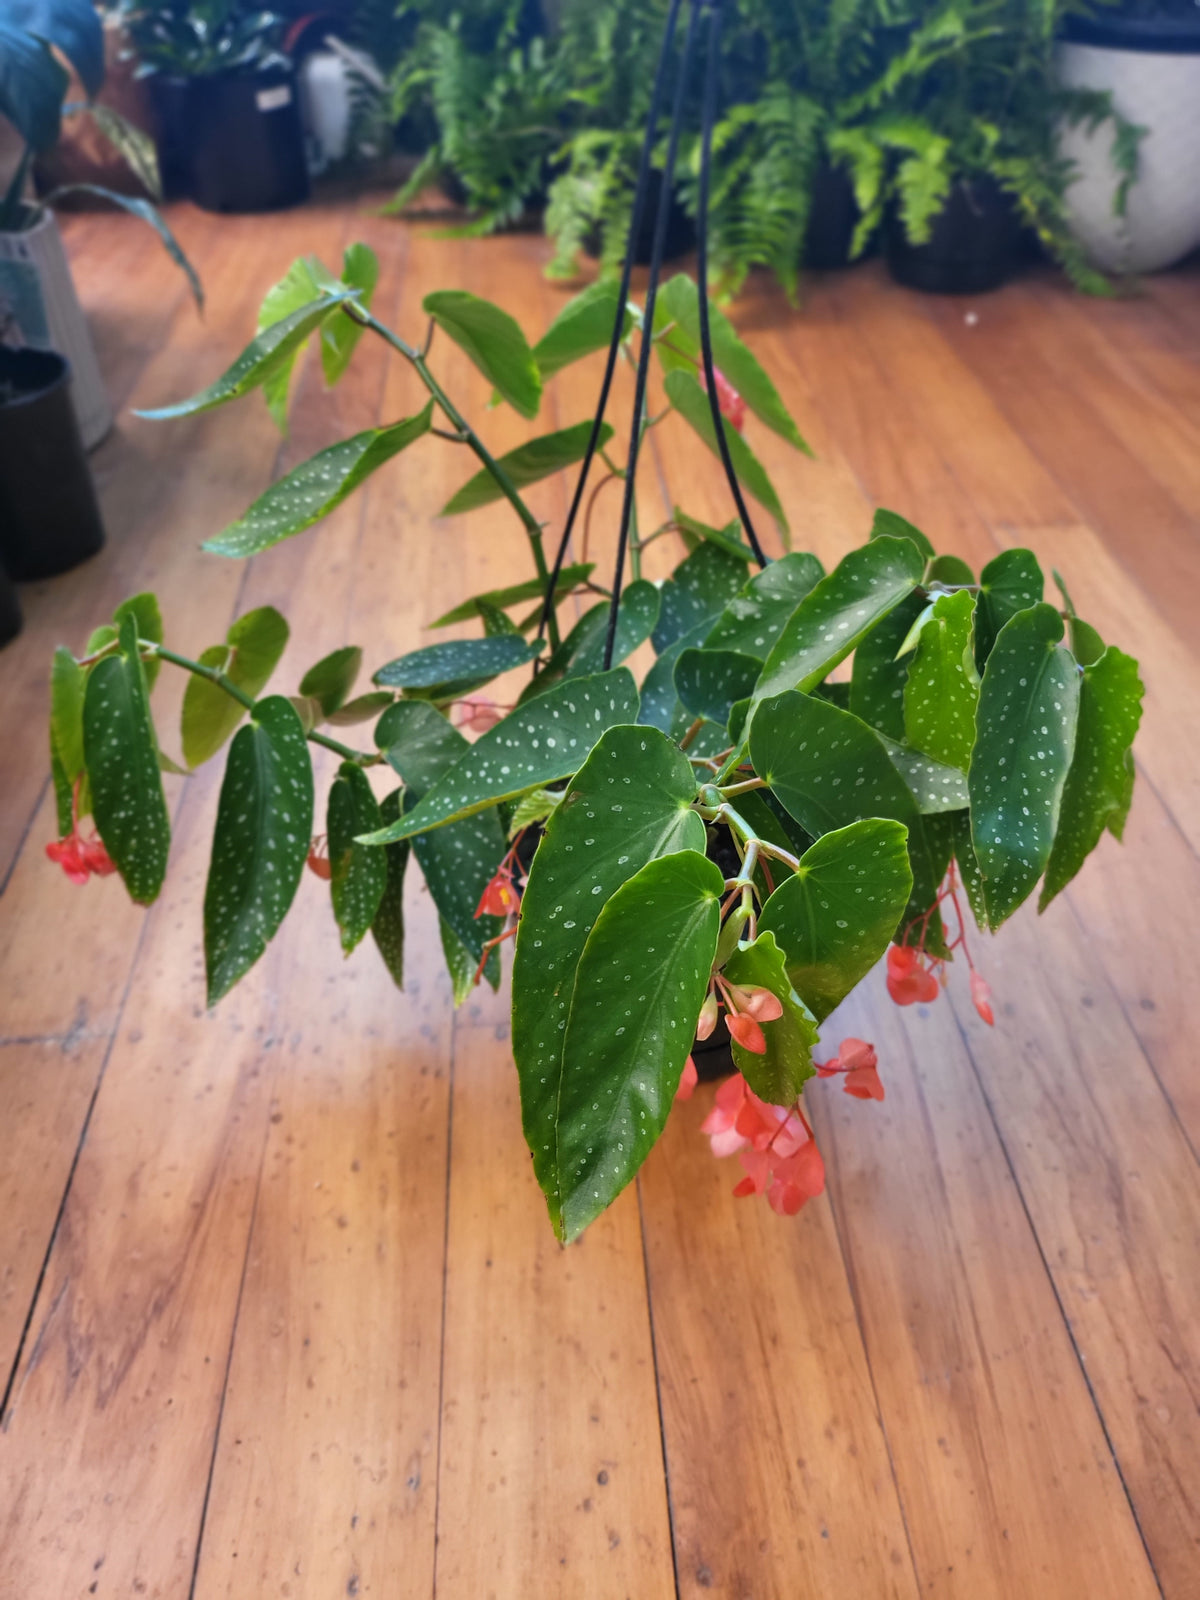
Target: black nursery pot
x=681 y=230
x=246 y=142
x=10 y=609
x=171 y=99
x=833 y=215
x=49 y=517
x=974 y=245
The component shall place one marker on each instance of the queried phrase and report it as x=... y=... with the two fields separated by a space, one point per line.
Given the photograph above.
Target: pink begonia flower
x=688 y=1081
x=981 y=996
x=908 y=981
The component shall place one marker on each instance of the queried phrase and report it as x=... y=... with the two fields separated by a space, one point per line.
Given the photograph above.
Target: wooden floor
x=280 y=1310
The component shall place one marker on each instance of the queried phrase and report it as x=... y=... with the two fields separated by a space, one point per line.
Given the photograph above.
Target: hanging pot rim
x=30 y=396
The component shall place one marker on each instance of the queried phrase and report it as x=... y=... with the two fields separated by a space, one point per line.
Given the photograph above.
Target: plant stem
x=214 y=675
x=533 y=528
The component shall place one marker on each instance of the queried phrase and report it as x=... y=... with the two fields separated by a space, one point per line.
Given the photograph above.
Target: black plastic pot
x=171 y=99
x=681 y=230
x=245 y=142
x=10 y=609
x=974 y=244
x=713 y=1056
x=833 y=215
x=49 y=517
x=1171 y=30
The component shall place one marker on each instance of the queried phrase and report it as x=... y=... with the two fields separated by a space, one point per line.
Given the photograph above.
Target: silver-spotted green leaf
x=935 y=786
x=121 y=754
x=584 y=324
x=629 y=803
x=835 y=916
x=144 y=610
x=1099 y=785
x=691 y=402
x=860 y=591
x=641 y=981
x=260 y=844
x=697 y=591
x=273 y=347
x=680 y=303
x=248 y=657
x=942 y=690
x=462 y=965
x=304 y=281
x=363 y=708
x=314 y=488
x=949 y=570
x=829 y=770
x=880 y=671
x=708 y=682
x=340 y=334
x=755 y=617
x=660 y=707
x=439 y=671
x=538 y=744
x=891 y=525
x=729 y=538
x=778 y=1075
x=419 y=743
x=68 y=684
x=331 y=679
x=495 y=622
x=968 y=866
x=1011 y=582
x=1028 y=707
x=358 y=875
x=568 y=579
x=528 y=463
x=494 y=342
x=636 y=616
x=387 y=929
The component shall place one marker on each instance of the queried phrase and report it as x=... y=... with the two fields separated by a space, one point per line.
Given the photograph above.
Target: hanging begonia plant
x=747 y=831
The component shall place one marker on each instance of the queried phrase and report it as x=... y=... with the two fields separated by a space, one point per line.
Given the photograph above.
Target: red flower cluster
x=913 y=975
x=745 y=1011
x=732 y=406
x=858 y=1061
x=79 y=857
x=318 y=858
x=775 y=1144
x=501 y=895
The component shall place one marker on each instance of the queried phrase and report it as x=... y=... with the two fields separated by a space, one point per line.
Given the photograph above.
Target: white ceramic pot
x=326 y=87
x=39 y=307
x=1160 y=92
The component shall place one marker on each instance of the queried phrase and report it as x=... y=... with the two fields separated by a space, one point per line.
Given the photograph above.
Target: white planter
x=39 y=307
x=326 y=88
x=1161 y=93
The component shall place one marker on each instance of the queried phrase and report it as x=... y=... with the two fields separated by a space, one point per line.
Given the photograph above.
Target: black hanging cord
x=635 y=225
x=709 y=117
x=643 y=367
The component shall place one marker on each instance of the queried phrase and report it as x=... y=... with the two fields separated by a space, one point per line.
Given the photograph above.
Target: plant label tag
x=274 y=99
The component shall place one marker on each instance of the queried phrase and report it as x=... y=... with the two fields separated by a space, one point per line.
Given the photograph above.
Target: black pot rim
x=1167 y=36
x=29 y=396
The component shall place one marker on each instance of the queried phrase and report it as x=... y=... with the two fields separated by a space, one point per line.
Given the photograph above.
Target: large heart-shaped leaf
x=708 y=682
x=835 y=916
x=691 y=402
x=844 y=607
x=248 y=657
x=778 y=1075
x=316 y=487
x=528 y=463
x=537 y=744
x=419 y=743
x=260 y=844
x=494 y=342
x=1011 y=582
x=942 y=688
x=121 y=755
x=261 y=357
x=583 y=325
x=891 y=525
x=641 y=981
x=358 y=874
x=1028 y=707
x=696 y=592
x=755 y=617
x=636 y=616
x=387 y=929
x=935 y=787
x=1099 y=785
x=629 y=803
x=880 y=671
x=660 y=707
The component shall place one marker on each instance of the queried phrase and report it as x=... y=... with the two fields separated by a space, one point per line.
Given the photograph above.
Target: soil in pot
x=247 y=142
x=49 y=517
x=833 y=215
x=974 y=245
x=10 y=609
x=681 y=230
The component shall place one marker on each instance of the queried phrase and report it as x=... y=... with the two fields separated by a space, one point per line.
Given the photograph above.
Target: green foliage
x=247 y=659
x=494 y=342
x=779 y=1074
x=358 y=875
x=528 y=463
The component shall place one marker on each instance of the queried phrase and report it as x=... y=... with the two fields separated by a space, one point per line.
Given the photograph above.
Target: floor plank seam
x=19 y=849
x=662 y=1428
x=441 y=1403
x=233 y=1331
x=1062 y=1310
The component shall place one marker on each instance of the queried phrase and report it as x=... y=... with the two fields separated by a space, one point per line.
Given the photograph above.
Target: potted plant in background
x=38 y=304
x=1144 y=55
x=229 y=129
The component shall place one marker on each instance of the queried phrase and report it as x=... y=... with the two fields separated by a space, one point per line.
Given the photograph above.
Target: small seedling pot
x=49 y=516
x=247 y=142
x=974 y=244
